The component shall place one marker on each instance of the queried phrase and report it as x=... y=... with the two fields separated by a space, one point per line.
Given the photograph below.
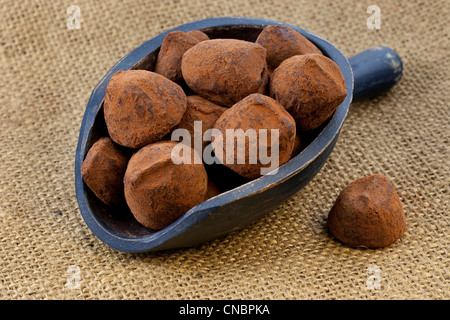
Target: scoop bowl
x=245 y=201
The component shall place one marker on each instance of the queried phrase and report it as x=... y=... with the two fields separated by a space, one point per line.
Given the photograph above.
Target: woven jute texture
x=47 y=73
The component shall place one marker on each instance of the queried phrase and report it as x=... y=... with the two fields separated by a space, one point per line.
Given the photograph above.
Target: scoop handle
x=375 y=70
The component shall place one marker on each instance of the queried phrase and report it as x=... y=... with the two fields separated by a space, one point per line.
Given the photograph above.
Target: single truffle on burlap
x=141 y=107
x=103 y=170
x=157 y=190
x=310 y=87
x=225 y=70
x=283 y=42
x=368 y=213
x=255 y=112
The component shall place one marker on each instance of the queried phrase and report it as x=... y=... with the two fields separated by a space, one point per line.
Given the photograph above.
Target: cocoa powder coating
x=212 y=190
x=230 y=79
x=203 y=110
x=283 y=42
x=199 y=35
x=225 y=70
x=297 y=146
x=103 y=170
x=310 y=87
x=141 y=107
x=368 y=213
x=257 y=112
x=174 y=45
x=157 y=190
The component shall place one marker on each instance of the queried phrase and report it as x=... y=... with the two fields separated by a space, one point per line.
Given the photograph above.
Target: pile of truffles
x=281 y=81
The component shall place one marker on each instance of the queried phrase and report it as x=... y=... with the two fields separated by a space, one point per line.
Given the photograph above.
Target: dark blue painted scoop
x=368 y=73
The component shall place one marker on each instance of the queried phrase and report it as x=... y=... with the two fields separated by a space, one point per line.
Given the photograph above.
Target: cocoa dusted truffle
x=225 y=70
x=283 y=42
x=174 y=45
x=103 y=170
x=212 y=190
x=203 y=110
x=368 y=213
x=141 y=107
x=157 y=190
x=199 y=35
x=297 y=146
x=255 y=112
x=310 y=87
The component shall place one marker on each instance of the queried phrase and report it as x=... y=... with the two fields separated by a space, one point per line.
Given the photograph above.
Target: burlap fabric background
x=47 y=75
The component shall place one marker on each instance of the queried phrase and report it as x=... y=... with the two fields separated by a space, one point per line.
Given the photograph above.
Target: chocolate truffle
x=199 y=35
x=368 y=213
x=103 y=170
x=297 y=146
x=157 y=190
x=141 y=107
x=200 y=109
x=255 y=112
x=310 y=87
x=212 y=190
x=283 y=42
x=225 y=70
x=174 y=45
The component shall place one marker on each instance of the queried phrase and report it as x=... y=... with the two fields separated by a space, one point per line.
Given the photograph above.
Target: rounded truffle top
x=225 y=70
x=249 y=125
x=310 y=87
x=283 y=42
x=157 y=190
x=103 y=169
x=141 y=107
x=368 y=213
